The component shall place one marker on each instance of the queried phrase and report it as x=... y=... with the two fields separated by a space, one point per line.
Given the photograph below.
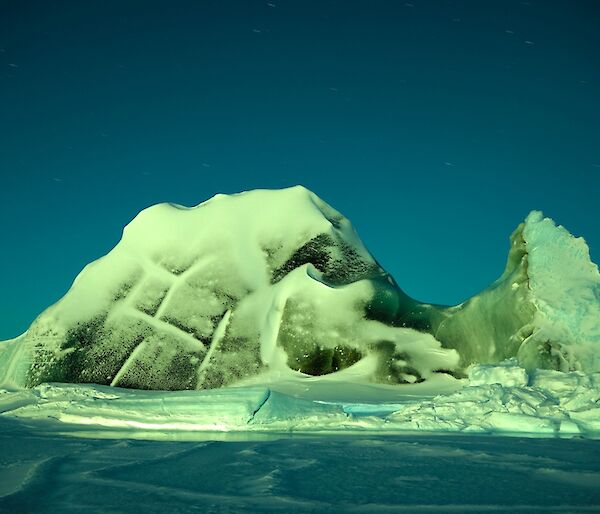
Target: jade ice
x=268 y=285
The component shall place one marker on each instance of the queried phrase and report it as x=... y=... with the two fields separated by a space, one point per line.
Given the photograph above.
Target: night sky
x=435 y=126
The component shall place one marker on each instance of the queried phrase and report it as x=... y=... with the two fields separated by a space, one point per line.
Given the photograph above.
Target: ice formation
x=277 y=285
x=544 y=309
x=502 y=398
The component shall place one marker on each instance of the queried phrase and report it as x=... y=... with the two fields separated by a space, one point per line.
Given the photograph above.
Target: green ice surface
x=279 y=282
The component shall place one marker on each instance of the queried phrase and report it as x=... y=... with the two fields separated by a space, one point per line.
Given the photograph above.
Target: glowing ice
x=276 y=285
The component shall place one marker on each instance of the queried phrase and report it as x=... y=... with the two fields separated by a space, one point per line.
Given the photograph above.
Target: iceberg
x=273 y=282
x=544 y=309
x=265 y=311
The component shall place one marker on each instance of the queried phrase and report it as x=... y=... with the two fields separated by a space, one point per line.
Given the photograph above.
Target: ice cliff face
x=544 y=309
x=278 y=282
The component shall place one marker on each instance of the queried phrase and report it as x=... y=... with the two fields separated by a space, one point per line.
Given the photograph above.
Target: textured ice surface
x=264 y=281
x=544 y=309
x=277 y=283
x=495 y=399
x=565 y=288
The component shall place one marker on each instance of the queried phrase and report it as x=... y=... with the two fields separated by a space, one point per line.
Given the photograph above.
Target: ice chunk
x=544 y=309
x=565 y=287
x=498 y=399
x=198 y=298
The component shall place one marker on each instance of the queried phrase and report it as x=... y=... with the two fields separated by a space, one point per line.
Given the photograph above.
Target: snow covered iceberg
x=268 y=286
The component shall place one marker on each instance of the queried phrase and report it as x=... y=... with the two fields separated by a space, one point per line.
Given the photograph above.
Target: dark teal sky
x=435 y=126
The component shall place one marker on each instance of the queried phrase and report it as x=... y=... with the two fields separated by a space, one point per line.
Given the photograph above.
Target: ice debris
x=495 y=399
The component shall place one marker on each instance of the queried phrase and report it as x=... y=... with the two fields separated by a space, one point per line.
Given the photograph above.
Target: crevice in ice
x=180 y=279
x=153 y=269
x=194 y=344
x=127 y=364
x=260 y=406
x=216 y=339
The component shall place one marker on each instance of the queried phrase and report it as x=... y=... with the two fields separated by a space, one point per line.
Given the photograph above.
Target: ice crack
x=260 y=406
